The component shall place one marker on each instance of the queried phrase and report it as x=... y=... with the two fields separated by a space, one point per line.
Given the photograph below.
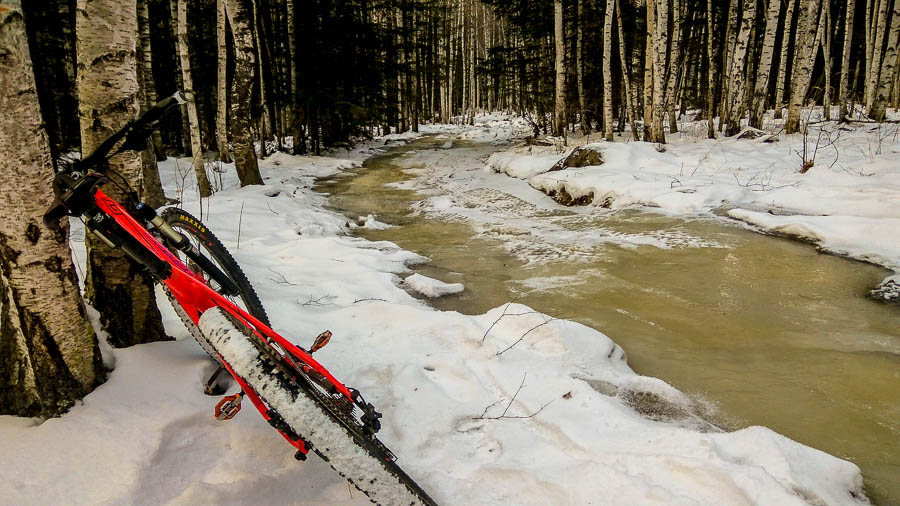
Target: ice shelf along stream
x=766 y=330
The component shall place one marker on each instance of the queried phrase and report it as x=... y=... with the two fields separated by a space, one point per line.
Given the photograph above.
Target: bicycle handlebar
x=135 y=133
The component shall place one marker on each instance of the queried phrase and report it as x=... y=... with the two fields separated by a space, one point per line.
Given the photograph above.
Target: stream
x=761 y=330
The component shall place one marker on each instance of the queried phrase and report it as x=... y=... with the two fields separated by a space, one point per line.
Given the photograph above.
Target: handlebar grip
x=56 y=212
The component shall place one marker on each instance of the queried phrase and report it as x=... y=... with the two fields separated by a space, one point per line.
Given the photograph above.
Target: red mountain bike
x=293 y=392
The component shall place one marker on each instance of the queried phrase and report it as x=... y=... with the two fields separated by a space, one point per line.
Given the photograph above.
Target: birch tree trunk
x=266 y=120
x=559 y=116
x=151 y=188
x=761 y=92
x=49 y=355
x=222 y=84
x=873 y=70
x=661 y=18
x=737 y=73
x=240 y=20
x=782 y=63
x=731 y=30
x=294 y=116
x=649 y=57
x=146 y=62
x=826 y=52
x=109 y=93
x=185 y=133
x=579 y=66
x=888 y=62
x=711 y=90
x=676 y=64
x=196 y=147
x=806 y=38
x=607 y=70
x=626 y=77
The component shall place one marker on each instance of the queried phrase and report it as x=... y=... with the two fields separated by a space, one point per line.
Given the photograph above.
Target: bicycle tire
x=212 y=248
x=361 y=459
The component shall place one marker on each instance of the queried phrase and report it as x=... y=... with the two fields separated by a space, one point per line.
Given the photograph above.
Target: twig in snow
x=240 y=218
x=523 y=336
x=370 y=298
x=504 y=415
x=316 y=302
x=283 y=280
x=488 y=331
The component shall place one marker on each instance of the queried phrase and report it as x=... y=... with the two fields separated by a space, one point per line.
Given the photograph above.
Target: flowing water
x=768 y=330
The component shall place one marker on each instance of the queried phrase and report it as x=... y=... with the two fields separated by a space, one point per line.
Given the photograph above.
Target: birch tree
x=845 y=61
x=876 y=50
x=886 y=73
x=626 y=77
x=151 y=187
x=109 y=93
x=736 y=74
x=806 y=49
x=579 y=65
x=607 y=70
x=676 y=65
x=240 y=20
x=559 y=115
x=49 y=355
x=194 y=124
x=222 y=83
x=761 y=91
x=782 y=63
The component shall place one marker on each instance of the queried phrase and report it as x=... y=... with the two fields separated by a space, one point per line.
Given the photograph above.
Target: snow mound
x=431 y=287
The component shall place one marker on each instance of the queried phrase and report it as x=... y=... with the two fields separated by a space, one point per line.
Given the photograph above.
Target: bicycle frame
x=195 y=296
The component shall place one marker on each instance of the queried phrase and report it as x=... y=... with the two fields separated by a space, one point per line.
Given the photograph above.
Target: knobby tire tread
x=300 y=385
x=186 y=223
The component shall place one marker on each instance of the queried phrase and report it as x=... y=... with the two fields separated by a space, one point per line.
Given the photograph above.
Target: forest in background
x=326 y=71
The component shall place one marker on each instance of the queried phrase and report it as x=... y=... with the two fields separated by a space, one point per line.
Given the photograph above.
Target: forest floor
x=476 y=414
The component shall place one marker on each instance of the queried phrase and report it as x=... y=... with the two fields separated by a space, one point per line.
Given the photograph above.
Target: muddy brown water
x=766 y=329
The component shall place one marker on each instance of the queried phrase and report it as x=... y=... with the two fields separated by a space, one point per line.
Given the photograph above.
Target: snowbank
x=847 y=203
x=508 y=407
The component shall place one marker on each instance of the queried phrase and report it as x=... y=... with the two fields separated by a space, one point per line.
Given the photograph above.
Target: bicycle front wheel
x=204 y=241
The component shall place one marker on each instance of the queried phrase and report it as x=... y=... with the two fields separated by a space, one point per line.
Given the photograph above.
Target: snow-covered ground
x=508 y=407
x=847 y=203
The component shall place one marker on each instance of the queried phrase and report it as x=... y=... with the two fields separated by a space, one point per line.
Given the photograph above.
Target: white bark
x=782 y=64
x=845 y=60
x=886 y=73
x=196 y=146
x=737 y=71
x=626 y=78
x=559 y=116
x=222 y=84
x=108 y=98
x=761 y=91
x=50 y=355
x=806 y=49
x=607 y=70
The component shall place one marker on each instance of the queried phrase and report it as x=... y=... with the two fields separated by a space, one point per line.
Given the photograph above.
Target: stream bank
x=763 y=330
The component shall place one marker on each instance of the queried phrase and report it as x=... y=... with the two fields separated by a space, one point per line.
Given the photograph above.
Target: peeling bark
x=109 y=94
x=49 y=356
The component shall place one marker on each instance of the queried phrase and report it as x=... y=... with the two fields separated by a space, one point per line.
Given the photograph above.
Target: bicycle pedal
x=320 y=341
x=228 y=407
